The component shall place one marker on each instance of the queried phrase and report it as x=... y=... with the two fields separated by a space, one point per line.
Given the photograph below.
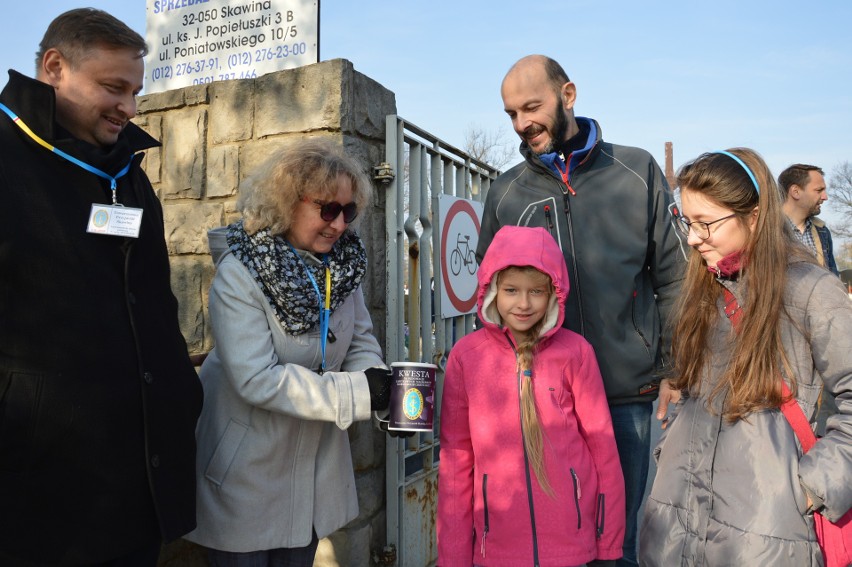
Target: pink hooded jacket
x=491 y=509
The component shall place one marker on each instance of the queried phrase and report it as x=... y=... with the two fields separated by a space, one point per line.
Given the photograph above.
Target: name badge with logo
x=115 y=220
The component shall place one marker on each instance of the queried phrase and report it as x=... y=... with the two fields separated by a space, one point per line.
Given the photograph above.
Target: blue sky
x=776 y=77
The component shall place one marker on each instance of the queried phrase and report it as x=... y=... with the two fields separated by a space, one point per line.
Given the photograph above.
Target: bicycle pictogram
x=462 y=254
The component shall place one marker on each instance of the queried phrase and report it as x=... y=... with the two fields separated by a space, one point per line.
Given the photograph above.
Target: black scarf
x=282 y=274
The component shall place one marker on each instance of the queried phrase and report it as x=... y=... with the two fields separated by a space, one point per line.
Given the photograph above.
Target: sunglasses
x=331 y=210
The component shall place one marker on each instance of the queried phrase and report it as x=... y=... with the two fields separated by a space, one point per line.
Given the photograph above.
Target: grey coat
x=273 y=450
x=736 y=494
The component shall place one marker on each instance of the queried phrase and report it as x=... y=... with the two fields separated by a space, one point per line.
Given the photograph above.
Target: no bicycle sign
x=459 y=223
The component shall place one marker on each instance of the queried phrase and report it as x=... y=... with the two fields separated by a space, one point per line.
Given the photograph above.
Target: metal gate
x=419 y=168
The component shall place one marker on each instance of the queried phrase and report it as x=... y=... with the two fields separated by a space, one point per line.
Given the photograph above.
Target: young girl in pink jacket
x=529 y=471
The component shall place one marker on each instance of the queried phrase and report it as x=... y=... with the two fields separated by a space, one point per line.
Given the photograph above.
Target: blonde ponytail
x=533 y=434
x=530 y=426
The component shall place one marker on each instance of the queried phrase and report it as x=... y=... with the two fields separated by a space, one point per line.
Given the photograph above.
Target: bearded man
x=610 y=210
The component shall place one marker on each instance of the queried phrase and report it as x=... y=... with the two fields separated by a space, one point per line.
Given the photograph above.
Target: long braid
x=533 y=433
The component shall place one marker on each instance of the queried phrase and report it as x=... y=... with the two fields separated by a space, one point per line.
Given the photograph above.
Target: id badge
x=115 y=220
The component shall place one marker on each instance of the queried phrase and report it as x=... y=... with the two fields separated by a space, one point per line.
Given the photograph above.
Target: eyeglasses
x=701 y=229
x=331 y=210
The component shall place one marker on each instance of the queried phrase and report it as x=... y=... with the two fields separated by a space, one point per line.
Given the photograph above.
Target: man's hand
x=667 y=396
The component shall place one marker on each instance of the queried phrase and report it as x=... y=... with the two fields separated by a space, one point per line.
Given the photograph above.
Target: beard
x=815 y=209
x=558 y=131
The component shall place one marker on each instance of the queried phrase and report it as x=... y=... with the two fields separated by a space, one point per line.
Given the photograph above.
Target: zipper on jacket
x=526 y=462
x=574 y=276
x=485 y=503
x=548 y=219
x=565 y=173
x=599 y=527
x=565 y=189
x=577 y=496
x=636 y=325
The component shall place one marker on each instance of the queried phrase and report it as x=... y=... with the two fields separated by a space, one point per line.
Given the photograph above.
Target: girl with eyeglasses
x=733 y=486
x=294 y=366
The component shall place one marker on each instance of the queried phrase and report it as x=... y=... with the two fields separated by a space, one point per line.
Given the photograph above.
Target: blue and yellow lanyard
x=324 y=304
x=112 y=180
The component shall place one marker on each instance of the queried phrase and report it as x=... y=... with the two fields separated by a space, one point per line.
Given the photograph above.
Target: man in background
x=803 y=188
x=608 y=207
x=98 y=398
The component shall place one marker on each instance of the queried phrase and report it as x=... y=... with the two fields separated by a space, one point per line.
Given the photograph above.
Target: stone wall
x=213 y=136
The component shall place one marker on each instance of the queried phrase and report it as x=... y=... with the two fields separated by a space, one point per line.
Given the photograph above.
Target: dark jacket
x=826 y=252
x=98 y=399
x=613 y=224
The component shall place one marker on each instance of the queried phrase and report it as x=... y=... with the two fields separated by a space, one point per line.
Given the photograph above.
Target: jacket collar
x=554 y=163
x=35 y=102
x=728 y=267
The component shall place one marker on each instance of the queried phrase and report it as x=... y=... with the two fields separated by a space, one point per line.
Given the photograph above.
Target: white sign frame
x=194 y=42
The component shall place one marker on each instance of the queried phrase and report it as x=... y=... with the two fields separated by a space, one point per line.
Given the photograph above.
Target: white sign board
x=193 y=42
x=459 y=221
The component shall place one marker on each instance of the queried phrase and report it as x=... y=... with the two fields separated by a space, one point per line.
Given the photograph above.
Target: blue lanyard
x=324 y=307
x=112 y=180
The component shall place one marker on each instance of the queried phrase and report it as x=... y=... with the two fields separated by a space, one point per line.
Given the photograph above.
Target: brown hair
x=797 y=174
x=556 y=75
x=750 y=381
x=533 y=435
x=75 y=32
x=269 y=197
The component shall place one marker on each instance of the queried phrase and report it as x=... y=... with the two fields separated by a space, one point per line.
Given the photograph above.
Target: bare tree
x=840 y=197
x=489 y=146
x=843 y=254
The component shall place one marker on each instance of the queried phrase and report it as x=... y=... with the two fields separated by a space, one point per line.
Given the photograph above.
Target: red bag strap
x=790 y=408
x=732 y=308
x=796 y=416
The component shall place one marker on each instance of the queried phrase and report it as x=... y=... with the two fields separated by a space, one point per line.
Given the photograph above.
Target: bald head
x=539 y=98
x=532 y=64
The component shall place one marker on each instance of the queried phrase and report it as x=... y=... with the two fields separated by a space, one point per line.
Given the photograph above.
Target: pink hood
x=523 y=246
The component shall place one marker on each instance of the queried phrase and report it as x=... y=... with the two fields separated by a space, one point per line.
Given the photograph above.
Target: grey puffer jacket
x=735 y=494
x=612 y=222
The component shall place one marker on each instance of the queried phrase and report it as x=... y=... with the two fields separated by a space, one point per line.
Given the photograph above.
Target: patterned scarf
x=282 y=275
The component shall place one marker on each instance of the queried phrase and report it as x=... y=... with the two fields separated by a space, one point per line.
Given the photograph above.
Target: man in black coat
x=98 y=398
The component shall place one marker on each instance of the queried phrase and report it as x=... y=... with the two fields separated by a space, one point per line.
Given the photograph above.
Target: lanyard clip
x=113 y=186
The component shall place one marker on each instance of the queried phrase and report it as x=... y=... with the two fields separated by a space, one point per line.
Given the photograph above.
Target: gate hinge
x=383 y=173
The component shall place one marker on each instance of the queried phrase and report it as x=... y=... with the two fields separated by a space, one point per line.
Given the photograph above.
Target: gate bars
x=424 y=167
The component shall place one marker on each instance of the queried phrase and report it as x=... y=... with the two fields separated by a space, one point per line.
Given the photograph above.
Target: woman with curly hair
x=295 y=362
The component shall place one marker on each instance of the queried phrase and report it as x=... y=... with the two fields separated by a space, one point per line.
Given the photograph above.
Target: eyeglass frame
x=684 y=223
x=327 y=210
